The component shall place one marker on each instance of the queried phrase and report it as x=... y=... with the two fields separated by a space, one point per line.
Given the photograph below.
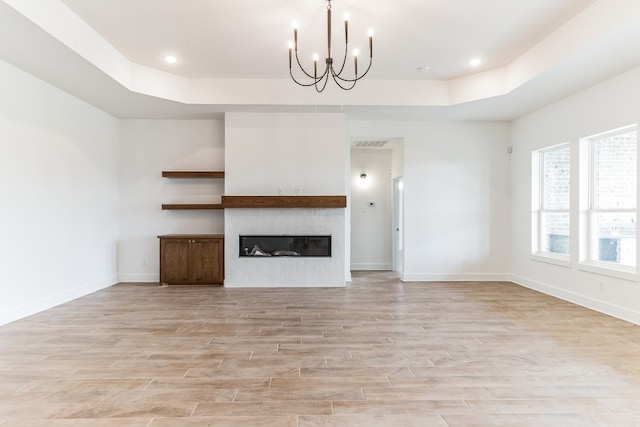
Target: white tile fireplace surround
x=284 y=271
x=285 y=154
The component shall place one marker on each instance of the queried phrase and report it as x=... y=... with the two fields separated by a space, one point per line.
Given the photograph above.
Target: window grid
x=552 y=239
x=604 y=250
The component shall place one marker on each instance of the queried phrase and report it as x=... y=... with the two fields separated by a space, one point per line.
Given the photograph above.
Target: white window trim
x=587 y=262
x=552 y=258
x=537 y=253
x=611 y=270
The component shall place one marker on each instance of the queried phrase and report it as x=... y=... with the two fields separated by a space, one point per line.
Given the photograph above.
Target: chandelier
x=319 y=81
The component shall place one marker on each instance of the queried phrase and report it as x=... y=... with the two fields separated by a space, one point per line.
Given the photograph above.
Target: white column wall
x=289 y=154
x=59 y=195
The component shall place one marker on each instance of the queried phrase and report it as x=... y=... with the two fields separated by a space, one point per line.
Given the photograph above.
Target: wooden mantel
x=284 y=202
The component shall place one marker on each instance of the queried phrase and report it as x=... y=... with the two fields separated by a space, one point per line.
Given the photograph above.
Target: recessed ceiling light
x=423 y=69
x=170 y=59
x=475 y=62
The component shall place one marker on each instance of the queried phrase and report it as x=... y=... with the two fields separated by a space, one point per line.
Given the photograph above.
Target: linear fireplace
x=285 y=246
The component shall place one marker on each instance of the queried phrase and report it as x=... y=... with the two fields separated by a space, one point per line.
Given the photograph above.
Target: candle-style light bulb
x=355 y=60
x=370 y=43
x=315 y=65
x=290 y=48
x=346 y=28
x=295 y=34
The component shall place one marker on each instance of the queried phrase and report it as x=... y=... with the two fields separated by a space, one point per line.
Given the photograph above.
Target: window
x=551 y=202
x=612 y=205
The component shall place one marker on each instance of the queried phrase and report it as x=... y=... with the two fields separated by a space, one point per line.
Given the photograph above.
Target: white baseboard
x=228 y=284
x=51 y=301
x=470 y=277
x=147 y=277
x=370 y=266
x=347 y=276
x=584 y=301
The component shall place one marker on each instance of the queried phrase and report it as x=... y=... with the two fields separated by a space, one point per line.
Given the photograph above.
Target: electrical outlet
x=465 y=262
x=143 y=263
x=600 y=285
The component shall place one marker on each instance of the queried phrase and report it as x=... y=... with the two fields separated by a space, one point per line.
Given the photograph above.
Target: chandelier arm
x=344 y=59
x=325 y=76
x=357 y=77
x=301 y=84
x=315 y=80
x=301 y=67
x=337 y=78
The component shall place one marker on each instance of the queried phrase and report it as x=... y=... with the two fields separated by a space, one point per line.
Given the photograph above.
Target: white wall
x=371 y=226
x=148 y=147
x=269 y=154
x=456 y=197
x=609 y=105
x=59 y=195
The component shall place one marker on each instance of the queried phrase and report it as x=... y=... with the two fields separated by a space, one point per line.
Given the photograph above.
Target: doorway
x=376 y=205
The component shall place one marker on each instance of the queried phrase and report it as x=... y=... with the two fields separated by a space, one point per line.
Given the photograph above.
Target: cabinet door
x=174 y=260
x=206 y=261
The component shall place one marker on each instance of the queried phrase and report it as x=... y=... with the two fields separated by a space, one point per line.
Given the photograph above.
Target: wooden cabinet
x=192 y=259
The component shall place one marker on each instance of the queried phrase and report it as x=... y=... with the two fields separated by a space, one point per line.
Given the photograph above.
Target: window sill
x=615 y=271
x=562 y=261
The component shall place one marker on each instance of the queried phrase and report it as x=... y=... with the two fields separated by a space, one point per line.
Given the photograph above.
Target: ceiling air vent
x=377 y=143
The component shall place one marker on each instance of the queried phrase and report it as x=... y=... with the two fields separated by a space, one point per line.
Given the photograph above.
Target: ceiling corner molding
x=60 y=22
x=478 y=86
x=581 y=52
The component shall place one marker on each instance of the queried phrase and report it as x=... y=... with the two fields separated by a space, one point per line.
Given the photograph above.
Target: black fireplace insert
x=285 y=246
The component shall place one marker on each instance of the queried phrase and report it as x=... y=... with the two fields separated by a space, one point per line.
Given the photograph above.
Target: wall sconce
x=363 y=182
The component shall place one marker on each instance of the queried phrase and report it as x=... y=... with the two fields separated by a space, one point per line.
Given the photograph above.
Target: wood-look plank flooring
x=377 y=353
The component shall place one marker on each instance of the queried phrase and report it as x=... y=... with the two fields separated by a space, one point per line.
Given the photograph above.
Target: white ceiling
x=248 y=38
x=232 y=54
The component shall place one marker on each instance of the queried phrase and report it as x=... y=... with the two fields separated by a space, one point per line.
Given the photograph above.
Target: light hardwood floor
x=377 y=353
